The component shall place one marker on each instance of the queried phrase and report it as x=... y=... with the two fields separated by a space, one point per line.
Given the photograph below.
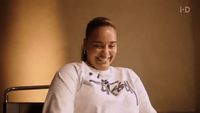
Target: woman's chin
x=104 y=66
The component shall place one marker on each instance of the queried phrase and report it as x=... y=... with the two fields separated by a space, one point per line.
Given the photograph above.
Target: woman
x=93 y=85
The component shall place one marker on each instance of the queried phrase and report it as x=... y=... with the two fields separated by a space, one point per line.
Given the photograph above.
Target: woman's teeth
x=103 y=60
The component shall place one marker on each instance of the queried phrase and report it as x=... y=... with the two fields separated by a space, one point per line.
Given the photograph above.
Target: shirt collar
x=92 y=71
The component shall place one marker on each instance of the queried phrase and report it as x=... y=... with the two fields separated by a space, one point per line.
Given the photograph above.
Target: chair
x=22 y=107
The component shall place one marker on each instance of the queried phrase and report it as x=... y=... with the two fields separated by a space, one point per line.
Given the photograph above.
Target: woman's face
x=101 y=47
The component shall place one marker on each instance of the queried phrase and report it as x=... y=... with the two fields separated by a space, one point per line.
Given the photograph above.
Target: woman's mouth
x=103 y=60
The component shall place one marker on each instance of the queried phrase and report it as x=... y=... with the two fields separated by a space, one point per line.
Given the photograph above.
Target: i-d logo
x=185 y=9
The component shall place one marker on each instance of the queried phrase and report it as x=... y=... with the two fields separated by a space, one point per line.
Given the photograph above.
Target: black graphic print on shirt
x=115 y=87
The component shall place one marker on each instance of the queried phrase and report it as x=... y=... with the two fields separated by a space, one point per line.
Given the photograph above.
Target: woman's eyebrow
x=97 y=42
x=113 y=42
x=102 y=42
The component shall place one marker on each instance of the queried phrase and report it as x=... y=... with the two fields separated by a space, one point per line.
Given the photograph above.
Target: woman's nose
x=106 y=51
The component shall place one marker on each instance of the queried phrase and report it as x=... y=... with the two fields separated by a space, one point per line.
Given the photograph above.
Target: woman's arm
x=61 y=95
x=143 y=98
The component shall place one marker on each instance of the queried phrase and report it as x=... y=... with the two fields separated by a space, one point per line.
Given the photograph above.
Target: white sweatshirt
x=78 y=88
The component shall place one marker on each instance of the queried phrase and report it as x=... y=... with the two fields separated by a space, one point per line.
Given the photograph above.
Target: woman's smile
x=103 y=60
x=101 y=47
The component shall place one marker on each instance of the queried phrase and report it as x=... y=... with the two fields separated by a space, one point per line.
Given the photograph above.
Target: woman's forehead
x=104 y=34
x=101 y=42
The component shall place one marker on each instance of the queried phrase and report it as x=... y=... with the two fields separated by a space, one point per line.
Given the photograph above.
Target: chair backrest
x=22 y=107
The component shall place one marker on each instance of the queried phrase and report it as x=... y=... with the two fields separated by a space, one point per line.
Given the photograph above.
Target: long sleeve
x=143 y=98
x=61 y=95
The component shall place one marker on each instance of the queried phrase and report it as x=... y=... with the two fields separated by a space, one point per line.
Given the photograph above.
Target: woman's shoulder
x=123 y=69
x=70 y=67
x=127 y=71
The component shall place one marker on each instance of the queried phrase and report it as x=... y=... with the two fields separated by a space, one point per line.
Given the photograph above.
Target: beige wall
x=33 y=45
x=154 y=38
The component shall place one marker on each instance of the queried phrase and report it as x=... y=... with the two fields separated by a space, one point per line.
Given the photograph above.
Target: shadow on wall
x=196 y=33
x=4 y=13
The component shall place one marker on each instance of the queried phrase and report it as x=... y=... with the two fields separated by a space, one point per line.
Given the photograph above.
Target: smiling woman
x=105 y=88
x=100 y=45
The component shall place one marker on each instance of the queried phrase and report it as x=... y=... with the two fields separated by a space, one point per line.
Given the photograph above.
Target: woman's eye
x=112 y=46
x=98 y=46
